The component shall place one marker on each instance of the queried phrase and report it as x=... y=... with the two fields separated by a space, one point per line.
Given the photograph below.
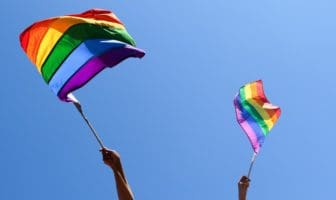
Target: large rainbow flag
x=70 y=50
x=255 y=114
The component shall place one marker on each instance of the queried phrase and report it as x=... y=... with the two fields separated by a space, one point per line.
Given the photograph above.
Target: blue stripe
x=251 y=121
x=83 y=53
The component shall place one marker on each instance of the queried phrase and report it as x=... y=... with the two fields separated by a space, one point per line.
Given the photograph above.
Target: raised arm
x=112 y=159
x=243 y=185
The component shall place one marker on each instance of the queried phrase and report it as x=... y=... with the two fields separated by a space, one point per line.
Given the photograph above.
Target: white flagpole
x=80 y=110
x=254 y=156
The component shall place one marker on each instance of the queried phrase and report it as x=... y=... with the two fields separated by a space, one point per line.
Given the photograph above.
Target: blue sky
x=170 y=114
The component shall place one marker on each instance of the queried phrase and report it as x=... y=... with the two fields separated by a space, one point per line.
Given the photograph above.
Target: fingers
x=106 y=153
x=244 y=181
x=109 y=154
x=104 y=149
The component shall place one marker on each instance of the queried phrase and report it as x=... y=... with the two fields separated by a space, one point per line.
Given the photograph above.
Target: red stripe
x=270 y=112
x=260 y=90
x=99 y=14
x=24 y=39
x=274 y=114
x=31 y=42
x=259 y=102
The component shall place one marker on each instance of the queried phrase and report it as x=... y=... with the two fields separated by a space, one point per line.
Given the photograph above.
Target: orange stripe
x=271 y=112
x=37 y=32
x=254 y=90
x=255 y=94
x=258 y=100
x=260 y=89
x=274 y=114
x=258 y=103
x=57 y=29
x=262 y=99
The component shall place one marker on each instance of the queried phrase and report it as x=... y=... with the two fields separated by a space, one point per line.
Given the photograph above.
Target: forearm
x=243 y=185
x=112 y=159
x=123 y=189
x=242 y=194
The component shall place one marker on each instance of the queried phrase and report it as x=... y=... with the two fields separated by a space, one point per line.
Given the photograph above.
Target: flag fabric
x=255 y=114
x=70 y=50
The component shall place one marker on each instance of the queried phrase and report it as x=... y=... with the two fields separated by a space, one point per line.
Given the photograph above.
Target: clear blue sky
x=170 y=115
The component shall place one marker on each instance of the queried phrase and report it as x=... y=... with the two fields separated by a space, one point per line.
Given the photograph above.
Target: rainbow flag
x=255 y=114
x=70 y=50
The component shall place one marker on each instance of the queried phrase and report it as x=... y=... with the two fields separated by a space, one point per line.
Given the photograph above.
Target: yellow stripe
x=254 y=90
x=268 y=120
x=274 y=118
x=57 y=29
x=248 y=91
x=254 y=102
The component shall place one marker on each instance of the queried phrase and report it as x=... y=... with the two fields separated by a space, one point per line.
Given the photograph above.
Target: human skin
x=243 y=185
x=112 y=159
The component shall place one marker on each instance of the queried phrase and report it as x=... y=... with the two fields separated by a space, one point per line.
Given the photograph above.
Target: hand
x=111 y=158
x=244 y=183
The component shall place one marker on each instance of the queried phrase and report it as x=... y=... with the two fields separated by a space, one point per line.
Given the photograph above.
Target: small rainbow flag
x=70 y=50
x=255 y=114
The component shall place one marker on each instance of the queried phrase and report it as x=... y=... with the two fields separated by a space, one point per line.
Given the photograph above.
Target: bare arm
x=243 y=185
x=112 y=159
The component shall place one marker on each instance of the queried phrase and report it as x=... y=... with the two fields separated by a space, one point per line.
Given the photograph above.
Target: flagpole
x=80 y=110
x=254 y=156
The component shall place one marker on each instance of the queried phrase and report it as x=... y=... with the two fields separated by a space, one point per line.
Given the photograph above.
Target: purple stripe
x=249 y=125
x=83 y=53
x=95 y=65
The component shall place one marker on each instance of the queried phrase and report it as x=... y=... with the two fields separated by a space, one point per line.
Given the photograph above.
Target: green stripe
x=73 y=37
x=253 y=112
